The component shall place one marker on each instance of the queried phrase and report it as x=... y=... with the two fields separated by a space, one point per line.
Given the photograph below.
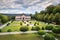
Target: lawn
x=15 y=25
x=21 y=37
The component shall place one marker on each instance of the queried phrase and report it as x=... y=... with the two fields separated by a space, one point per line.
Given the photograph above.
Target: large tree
x=50 y=8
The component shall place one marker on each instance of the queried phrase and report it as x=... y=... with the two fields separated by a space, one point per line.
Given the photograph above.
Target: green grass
x=15 y=25
x=21 y=37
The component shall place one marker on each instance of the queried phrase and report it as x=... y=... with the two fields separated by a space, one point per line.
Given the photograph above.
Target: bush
x=24 y=29
x=36 y=28
x=24 y=22
x=27 y=24
x=57 y=26
x=9 y=30
x=0 y=30
x=30 y=22
x=20 y=23
x=41 y=32
x=49 y=27
x=27 y=21
x=35 y=24
x=8 y=24
x=43 y=28
x=33 y=28
x=49 y=37
x=56 y=30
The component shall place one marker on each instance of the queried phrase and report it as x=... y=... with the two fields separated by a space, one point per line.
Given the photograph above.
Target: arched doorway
x=23 y=18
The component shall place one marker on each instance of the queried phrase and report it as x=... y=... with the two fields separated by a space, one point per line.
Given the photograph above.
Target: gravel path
x=7 y=33
x=4 y=25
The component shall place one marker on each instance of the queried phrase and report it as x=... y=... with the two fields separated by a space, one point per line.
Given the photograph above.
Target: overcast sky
x=25 y=6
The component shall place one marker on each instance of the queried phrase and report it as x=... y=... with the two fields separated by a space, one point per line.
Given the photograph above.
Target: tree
x=46 y=17
x=57 y=18
x=13 y=18
x=4 y=19
x=50 y=8
x=50 y=18
x=43 y=12
x=56 y=9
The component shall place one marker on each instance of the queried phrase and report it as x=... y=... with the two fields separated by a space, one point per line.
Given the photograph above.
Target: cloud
x=26 y=6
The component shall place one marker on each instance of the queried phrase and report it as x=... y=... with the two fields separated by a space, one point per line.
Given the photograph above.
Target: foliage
x=9 y=30
x=41 y=32
x=0 y=30
x=49 y=37
x=24 y=28
x=12 y=17
x=43 y=28
x=50 y=14
x=49 y=27
x=56 y=30
x=20 y=23
x=4 y=18
x=8 y=24
x=36 y=28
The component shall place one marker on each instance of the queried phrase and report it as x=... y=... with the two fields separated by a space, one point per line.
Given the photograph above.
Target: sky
x=25 y=6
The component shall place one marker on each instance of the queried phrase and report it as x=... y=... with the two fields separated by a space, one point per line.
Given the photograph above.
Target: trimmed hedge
x=9 y=30
x=56 y=29
x=41 y=32
x=49 y=27
x=36 y=28
x=0 y=30
x=24 y=29
x=49 y=37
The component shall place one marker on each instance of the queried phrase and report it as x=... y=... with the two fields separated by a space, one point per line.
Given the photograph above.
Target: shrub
x=43 y=28
x=24 y=29
x=20 y=23
x=27 y=21
x=24 y=22
x=30 y=22
x=57 y=26
x=33 y=28
x=36 y=28
x=56 y=30
x=41 y=32
x=12 y=21
x=9 y=30
x=27 y=24
x=49 y=37
x=49 y=27
x=8 y=24
x=0 y=30
x=35 y=24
